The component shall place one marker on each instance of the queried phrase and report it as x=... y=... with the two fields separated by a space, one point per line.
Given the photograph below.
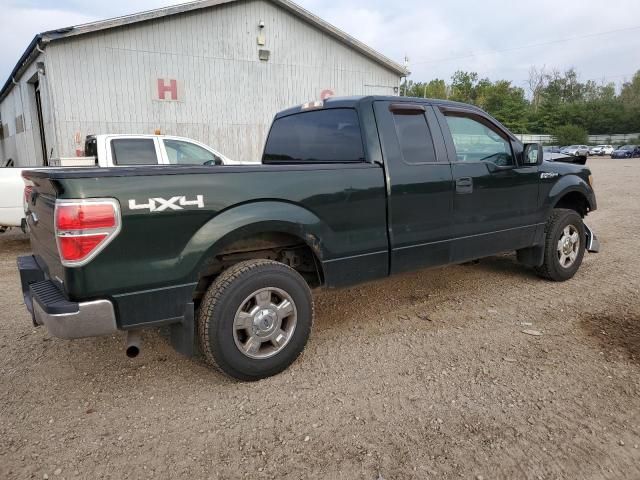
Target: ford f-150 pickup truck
x=350 y=190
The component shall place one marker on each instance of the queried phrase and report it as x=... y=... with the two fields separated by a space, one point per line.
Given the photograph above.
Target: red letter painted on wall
x=164 y=89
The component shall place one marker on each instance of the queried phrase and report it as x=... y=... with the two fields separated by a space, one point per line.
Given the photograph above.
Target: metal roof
x=44 y=38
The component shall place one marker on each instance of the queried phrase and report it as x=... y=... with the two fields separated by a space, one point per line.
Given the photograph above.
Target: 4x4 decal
x=162 y=205
x=545 y=175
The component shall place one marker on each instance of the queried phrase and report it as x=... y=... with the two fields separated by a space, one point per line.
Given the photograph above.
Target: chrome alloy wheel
x=264 y=323
x=568 y=246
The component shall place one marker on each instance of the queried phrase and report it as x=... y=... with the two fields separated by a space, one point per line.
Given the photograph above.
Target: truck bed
x=343 y=207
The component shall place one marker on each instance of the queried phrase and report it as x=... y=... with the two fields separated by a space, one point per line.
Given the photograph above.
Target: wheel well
x=574 y=201
x=281 y=247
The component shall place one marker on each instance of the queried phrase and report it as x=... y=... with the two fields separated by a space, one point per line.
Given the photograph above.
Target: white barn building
x=214 y=70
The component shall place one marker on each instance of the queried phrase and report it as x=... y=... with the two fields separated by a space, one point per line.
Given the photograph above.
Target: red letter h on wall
x=163 y=89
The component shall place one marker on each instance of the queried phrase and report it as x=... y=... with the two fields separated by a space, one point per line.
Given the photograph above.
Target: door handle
x=464 y=185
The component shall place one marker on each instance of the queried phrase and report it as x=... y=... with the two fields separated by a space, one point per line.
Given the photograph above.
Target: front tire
x=255 y=319
x=565 y=241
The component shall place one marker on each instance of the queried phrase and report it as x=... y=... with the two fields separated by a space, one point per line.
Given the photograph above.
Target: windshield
x=626 y=147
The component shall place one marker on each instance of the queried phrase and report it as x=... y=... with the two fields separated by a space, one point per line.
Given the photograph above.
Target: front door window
x=476 y=142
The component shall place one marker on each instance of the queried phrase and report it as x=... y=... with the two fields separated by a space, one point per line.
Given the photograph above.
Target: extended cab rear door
x=419 y=185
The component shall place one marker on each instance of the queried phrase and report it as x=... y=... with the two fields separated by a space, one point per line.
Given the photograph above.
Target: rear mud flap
x=183 y=333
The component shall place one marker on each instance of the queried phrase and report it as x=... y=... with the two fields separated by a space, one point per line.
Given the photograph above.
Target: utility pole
x=406 y=79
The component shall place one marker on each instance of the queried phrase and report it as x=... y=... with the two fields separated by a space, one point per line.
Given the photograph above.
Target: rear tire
x=255 y=319
x=565 y=241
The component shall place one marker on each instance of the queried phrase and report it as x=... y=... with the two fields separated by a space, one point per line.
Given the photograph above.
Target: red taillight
x=85 y=216
x=73 y=249
x=84 y=228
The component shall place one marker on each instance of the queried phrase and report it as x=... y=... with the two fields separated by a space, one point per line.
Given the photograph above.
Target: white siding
x=105 y=82
x=24 y=147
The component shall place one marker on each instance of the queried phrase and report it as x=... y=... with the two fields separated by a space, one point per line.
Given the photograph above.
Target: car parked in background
x=601 y=150
x=552 y=149
x=626 y=151
x=576 y=150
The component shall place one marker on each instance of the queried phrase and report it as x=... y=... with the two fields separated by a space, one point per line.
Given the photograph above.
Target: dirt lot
x=427 y=375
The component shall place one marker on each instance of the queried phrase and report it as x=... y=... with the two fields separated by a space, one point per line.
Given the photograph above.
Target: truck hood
x=564 y=157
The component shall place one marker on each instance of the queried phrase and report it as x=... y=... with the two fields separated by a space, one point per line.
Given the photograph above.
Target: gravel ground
x=425 y=375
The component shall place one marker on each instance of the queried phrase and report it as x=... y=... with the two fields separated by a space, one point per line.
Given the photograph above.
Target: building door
x=43 y=140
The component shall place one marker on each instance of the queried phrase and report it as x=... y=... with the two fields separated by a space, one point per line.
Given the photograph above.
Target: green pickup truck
x=349 y=190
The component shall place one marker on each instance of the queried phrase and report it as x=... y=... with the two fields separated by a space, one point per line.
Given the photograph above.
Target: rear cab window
x=318 y=136
x=134 y=151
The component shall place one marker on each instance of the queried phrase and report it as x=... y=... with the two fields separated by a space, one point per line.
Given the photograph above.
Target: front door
x=420 y=187
x=495 y=204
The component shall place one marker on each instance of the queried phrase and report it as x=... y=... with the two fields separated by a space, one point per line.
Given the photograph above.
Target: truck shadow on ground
x=14 y=242
x=616 y=334
x=504 y=264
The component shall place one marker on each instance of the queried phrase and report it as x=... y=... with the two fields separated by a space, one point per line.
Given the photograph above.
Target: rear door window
x=134 y=151
x=320 y=136
x=415 y=138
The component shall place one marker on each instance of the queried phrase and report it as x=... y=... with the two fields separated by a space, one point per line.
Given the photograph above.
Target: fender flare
x=251 y=219
x=567 y=185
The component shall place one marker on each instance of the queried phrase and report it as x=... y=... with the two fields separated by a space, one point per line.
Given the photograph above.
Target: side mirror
x=532 y=155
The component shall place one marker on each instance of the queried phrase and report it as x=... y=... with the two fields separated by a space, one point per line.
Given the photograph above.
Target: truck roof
x=360 y=101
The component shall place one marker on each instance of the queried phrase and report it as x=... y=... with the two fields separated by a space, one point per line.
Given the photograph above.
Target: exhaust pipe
x=134 y=339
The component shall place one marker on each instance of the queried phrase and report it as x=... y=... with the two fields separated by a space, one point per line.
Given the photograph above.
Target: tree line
x=555 y=103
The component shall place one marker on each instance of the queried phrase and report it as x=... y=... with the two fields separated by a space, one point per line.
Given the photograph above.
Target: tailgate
x=41 y=208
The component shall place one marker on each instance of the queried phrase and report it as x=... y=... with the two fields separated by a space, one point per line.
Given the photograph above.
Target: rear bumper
x=62 y=318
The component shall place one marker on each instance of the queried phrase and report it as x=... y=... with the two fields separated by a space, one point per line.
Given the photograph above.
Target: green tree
x=630 y=94
x=570 y=134
x=433 y=89
x=463 y=86
x=558 y=99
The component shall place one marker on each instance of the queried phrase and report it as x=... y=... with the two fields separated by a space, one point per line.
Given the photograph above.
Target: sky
x=496 y=39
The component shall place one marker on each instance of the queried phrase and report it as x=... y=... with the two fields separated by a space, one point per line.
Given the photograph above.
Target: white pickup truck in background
x=109 y=151
x=131 y=150
x=11 y=199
